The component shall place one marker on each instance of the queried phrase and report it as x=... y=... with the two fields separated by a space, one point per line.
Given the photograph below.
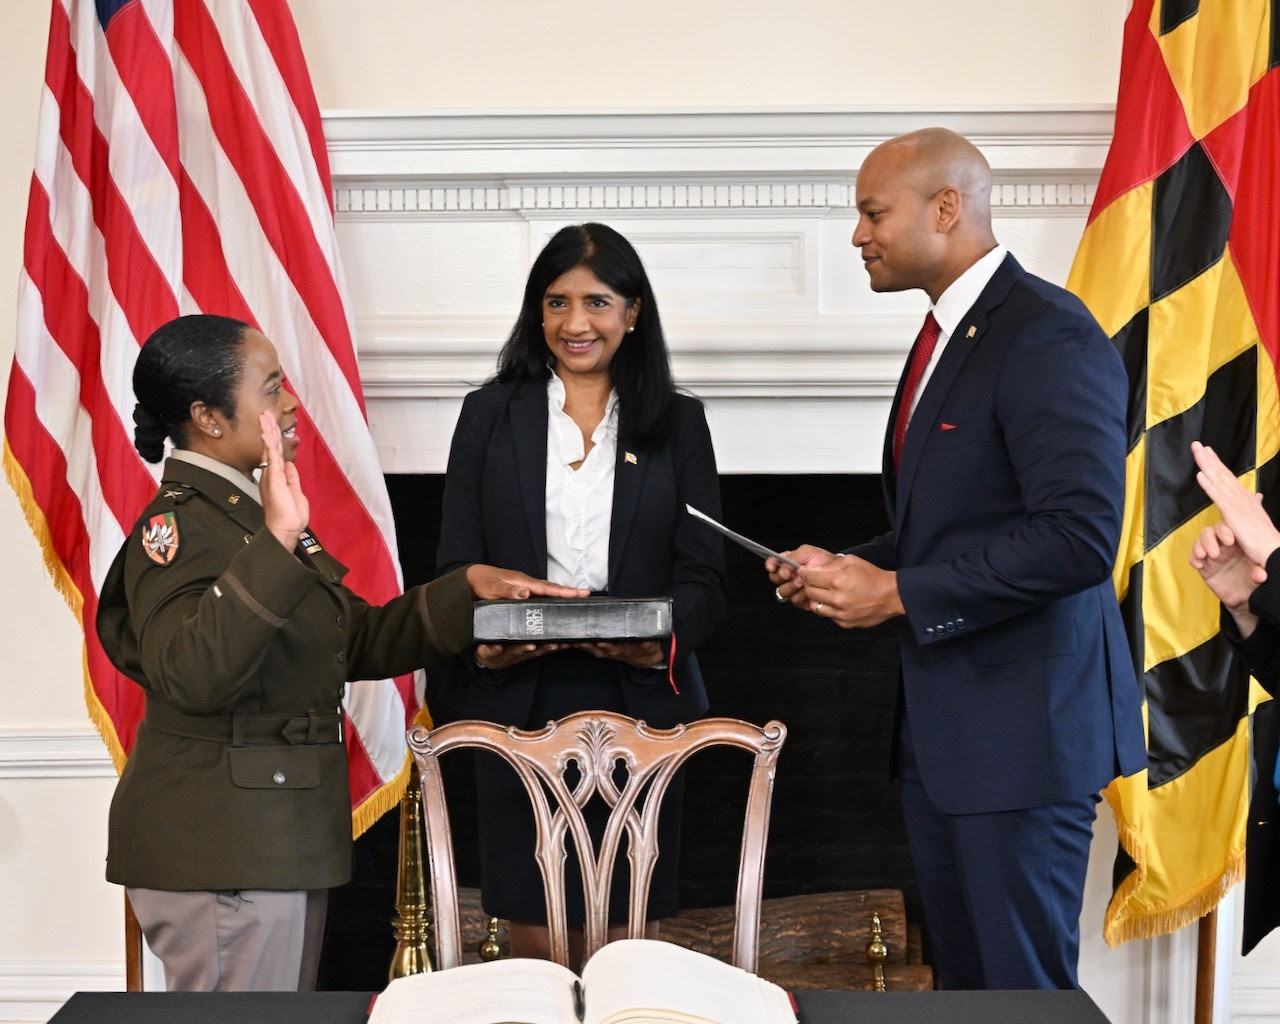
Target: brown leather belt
x=241 y=728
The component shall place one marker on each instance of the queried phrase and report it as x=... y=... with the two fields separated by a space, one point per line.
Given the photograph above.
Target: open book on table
x=631 y=981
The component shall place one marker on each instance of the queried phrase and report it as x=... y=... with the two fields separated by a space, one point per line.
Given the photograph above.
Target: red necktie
x=926 y=340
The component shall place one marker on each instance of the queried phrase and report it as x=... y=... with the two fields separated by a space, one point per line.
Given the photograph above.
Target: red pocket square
x=947 y=426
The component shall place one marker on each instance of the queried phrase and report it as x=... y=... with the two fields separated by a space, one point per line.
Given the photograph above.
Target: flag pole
x=1206 y=965
x=412 y=919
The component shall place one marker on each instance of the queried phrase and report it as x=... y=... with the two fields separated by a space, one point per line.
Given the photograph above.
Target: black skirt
x=510 y=881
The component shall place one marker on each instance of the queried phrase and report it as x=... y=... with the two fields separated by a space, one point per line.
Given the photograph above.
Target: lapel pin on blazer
x=972 y=331
x=629 y=457
x=947 y=426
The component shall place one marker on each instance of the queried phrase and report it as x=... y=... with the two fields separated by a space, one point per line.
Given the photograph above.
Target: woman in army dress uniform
x=231 y=819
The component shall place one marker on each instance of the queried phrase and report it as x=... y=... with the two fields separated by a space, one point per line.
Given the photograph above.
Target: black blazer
x=1261 y=653
x=494 y=511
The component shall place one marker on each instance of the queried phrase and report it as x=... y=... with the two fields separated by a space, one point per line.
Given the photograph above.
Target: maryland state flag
x=1180 y=263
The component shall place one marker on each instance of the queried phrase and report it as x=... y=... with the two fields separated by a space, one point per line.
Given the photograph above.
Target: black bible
x=555 y=620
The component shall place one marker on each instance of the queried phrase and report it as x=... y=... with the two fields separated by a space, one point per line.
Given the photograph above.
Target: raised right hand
x=285 y=508
x=1241 y=509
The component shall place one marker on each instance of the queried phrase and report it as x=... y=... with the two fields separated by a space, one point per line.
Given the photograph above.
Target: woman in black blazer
x=574 y=462
x=1239 y=558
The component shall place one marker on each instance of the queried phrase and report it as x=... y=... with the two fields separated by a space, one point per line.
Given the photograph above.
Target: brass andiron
x=411 y=921
x=877 y=951
x=489 y=949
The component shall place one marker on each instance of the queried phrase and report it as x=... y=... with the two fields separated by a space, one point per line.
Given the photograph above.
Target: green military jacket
x=238 y=775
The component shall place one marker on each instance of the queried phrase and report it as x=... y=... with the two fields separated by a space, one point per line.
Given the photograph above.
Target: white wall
x=59 y=918
x=60 y=923
x=709 y=53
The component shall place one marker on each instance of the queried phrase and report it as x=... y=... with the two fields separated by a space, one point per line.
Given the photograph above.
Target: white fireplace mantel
x=743 y=219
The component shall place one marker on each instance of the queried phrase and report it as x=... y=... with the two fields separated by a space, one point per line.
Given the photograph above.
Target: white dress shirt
x=579 y=502
x=954 y=303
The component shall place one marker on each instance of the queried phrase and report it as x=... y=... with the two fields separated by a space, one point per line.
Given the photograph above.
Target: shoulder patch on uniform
x=160 y=538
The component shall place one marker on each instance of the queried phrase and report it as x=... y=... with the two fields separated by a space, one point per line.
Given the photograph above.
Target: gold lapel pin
x=972 y=331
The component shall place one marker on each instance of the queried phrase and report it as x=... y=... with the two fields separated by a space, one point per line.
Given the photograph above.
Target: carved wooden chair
x=595 y=742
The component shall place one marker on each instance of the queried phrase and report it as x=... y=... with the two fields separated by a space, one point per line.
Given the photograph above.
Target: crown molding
x=446 y=143
x=787 y=193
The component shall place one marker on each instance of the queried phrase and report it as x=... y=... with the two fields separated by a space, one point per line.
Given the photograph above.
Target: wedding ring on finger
x=777 y=595
x=818 y=609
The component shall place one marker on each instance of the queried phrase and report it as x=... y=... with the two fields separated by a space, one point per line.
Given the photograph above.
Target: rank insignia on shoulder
x=309 y=543
x=233 y=499
x=160 y=538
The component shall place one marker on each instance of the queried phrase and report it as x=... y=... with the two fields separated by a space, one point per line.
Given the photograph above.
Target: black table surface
x=351 y=1008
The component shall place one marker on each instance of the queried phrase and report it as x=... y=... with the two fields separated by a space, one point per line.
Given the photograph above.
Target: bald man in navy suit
x=1004 y=483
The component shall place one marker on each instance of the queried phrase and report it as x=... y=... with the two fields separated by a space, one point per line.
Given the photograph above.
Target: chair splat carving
x=596 y=744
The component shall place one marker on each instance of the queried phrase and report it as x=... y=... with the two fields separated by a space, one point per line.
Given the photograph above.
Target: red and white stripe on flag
x=180 y=167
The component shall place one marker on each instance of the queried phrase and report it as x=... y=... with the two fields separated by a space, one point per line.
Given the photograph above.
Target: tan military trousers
x=251 y=940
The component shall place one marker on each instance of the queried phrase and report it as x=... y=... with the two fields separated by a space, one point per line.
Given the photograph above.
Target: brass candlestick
x=412 y=921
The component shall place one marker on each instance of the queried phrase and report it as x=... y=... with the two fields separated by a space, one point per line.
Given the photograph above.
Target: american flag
x=180 y=167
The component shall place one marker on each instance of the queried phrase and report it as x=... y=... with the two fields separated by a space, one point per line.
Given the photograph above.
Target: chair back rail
x=596 y=742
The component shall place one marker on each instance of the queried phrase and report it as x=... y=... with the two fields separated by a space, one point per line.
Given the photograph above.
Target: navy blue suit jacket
x=494 y=511
x=1005 y=518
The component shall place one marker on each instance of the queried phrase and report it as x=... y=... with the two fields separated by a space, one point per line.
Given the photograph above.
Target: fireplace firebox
x=836 y=821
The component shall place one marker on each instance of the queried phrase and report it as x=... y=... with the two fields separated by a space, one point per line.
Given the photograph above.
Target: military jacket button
x=342 y=657
x=340 y=621
x=928 y=631
x=278 y=778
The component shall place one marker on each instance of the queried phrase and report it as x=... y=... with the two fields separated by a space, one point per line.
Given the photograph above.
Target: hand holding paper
x=851 y=592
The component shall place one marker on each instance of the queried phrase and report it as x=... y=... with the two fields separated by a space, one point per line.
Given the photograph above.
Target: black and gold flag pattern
x=1180 y=263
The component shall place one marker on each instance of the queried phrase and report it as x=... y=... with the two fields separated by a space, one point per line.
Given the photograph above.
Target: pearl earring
x=217 y=432
x=631 y=330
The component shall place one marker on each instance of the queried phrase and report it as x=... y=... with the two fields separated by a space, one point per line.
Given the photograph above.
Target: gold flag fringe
x=380 y=801
x=1119 y=928
x=65 y=586
x=390 y=793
